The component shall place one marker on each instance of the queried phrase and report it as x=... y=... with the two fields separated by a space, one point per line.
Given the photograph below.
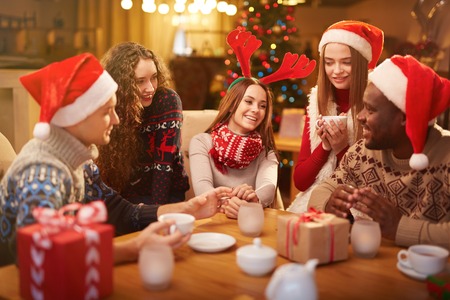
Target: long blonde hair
x=230 y=102
x=358 y=83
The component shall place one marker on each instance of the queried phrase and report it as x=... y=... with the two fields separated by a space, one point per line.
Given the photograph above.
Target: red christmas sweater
x=309 y=164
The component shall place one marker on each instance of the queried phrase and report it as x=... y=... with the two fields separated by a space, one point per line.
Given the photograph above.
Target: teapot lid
x=256 y=250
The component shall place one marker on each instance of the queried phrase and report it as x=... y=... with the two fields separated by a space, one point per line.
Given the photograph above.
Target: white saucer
x=211 y=242
x=411 y=272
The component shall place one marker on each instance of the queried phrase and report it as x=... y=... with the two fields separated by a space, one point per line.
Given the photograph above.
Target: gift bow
x=57 y=220
x=314 y=215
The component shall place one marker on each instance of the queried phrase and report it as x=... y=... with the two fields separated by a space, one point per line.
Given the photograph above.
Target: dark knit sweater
x=160 y=177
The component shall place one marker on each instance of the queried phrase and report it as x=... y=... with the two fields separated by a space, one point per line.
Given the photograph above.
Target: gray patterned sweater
x=54 y=173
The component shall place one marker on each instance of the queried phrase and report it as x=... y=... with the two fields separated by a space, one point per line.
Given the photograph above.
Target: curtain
x=205 y=34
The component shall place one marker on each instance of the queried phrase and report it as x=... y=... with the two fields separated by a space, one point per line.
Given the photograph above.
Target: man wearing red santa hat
x=398 y=173
x=77 y=99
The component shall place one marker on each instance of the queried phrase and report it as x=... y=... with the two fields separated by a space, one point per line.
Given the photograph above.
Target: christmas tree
x=274 y=24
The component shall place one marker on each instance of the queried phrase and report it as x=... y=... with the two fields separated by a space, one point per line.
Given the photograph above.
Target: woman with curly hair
x=143 y=161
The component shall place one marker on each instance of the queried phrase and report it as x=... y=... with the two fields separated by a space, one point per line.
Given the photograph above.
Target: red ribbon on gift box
x=312 y=215
x=55 y=221
x=94 y=212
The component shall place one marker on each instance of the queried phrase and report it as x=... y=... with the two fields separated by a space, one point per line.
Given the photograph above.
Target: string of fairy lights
x=180 y=6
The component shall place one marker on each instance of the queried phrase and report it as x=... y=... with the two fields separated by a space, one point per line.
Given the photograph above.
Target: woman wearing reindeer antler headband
x=348 y=49
x=238 y=149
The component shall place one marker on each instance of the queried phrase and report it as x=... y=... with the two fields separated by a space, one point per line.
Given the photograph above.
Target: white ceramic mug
x=156 y=263
x=424 y=259
x=183 y=222
x=365 y=238
x=335 y=119
x=251 y=219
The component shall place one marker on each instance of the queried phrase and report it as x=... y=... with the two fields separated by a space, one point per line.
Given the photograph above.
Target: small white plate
x=411 y=272
x=211 y=242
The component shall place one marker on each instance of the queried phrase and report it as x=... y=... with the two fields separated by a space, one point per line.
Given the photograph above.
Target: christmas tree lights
x=274 y=24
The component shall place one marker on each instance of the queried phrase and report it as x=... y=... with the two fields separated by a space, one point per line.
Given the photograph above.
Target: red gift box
x=65 y=257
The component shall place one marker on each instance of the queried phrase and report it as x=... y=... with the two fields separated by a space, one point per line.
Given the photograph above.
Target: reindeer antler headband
x=244 y=44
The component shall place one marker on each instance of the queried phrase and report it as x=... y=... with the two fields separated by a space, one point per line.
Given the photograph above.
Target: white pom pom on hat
x=418 y=161
x=68 y=91
x=417 y=91
x=41 y=130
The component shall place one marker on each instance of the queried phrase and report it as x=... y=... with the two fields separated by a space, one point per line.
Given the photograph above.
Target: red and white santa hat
x=364 y=38
x=68 y=91
x=417 y=91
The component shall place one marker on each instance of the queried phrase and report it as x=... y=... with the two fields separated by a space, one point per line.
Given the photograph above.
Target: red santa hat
x=364 y=38
x=68 y=91
x=417 y=91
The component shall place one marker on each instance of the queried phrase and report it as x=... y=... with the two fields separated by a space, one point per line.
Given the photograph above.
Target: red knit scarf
x=233 y=150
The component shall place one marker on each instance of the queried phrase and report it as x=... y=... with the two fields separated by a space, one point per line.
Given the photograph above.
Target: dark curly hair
x=117 y=159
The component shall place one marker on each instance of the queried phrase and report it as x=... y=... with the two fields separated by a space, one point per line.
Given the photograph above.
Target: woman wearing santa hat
x=348 y=50
x=143 y=161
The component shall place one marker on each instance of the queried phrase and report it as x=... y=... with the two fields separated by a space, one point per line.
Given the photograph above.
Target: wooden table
x=290 y=145
x=217 y=276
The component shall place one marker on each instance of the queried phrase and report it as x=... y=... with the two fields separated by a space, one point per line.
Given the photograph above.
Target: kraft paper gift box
x=66 y=261
x=313 y=234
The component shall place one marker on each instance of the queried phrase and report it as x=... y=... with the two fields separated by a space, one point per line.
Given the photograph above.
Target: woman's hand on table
x=245 y=192
x=241 y=193
x=231 y=209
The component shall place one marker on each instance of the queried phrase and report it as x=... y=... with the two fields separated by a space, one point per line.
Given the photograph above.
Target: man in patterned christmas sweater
x=77 y=99
x=411 y=202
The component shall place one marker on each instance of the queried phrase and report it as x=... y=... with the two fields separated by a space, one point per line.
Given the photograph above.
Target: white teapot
x=293 y=281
